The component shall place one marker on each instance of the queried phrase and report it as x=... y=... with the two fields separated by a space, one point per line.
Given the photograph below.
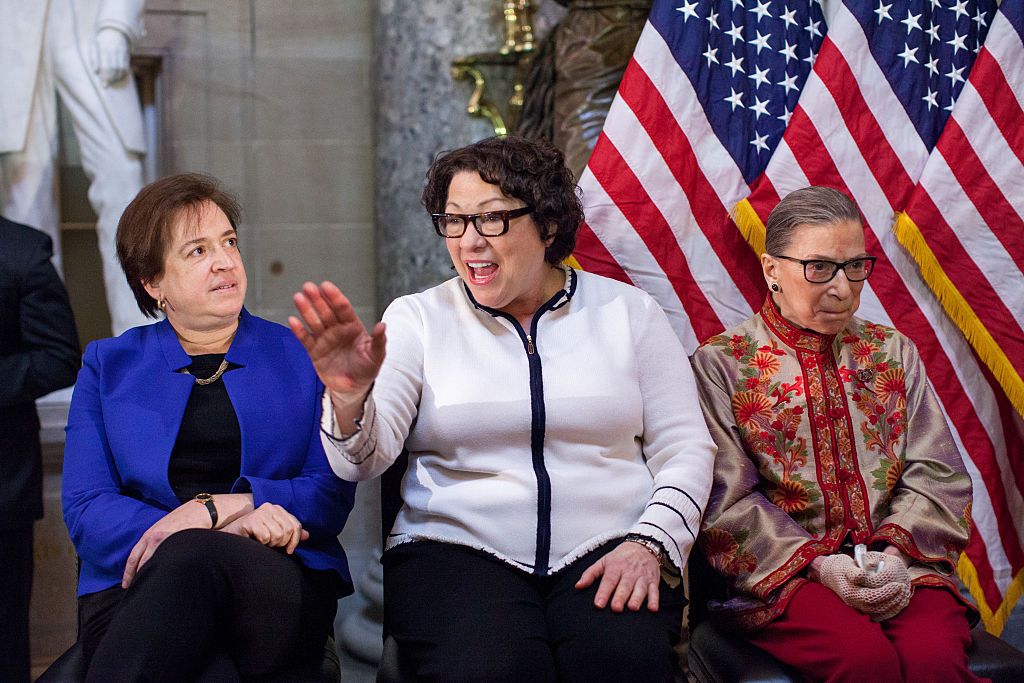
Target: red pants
x=825 y=639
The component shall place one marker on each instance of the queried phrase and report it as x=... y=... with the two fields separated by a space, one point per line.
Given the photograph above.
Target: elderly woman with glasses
x=558 y=462
x=840 y=503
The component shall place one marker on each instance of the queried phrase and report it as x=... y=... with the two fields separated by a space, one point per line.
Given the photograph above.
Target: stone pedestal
x=358 y=624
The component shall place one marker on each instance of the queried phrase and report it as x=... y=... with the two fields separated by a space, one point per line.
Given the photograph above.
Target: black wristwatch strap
x=207 y=500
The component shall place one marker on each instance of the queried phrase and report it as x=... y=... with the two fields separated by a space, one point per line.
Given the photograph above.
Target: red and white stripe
x=969 y=205
x=657 y=195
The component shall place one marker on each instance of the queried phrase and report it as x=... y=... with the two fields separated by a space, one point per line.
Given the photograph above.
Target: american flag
x=690 y=138
x=701 y=107
x=965 y=228
x=965 y=223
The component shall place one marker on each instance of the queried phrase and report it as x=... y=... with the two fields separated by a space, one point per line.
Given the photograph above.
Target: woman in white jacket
x=558 y=460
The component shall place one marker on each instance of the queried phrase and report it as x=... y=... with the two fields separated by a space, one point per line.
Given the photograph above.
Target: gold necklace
x=212 y=378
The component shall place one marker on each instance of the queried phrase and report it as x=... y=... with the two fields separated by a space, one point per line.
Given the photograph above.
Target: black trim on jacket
x=542 y=559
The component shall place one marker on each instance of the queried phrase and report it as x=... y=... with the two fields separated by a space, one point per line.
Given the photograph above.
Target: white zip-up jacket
x=535 y=445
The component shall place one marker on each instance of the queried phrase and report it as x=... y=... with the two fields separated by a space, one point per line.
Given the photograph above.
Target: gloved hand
x=882 y=568
x=885 y=586
x=881 y=594
x=836 y=573
x=881 y=603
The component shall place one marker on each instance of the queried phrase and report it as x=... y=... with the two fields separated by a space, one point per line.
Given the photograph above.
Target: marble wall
x=310 y=155
x=276 y=99
x=421 y=111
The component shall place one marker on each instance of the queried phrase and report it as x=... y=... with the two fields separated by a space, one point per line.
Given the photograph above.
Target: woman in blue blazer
x=196 y=490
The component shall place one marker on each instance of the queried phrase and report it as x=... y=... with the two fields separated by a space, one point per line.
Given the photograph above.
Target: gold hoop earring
x=162 y=305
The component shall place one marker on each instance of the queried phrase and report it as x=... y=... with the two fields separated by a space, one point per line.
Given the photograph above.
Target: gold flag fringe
x=959 y=311
x=750 y=225
x=993 y=620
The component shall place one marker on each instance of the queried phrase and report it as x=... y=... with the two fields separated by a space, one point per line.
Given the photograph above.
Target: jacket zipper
x=538 y=418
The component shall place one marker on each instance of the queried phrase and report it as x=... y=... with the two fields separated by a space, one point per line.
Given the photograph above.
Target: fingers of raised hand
x=378 y=343
x=329 y=305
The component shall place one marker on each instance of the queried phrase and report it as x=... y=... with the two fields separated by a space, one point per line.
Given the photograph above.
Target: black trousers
x=211 y=606
x=15 y=591
x=462 y=615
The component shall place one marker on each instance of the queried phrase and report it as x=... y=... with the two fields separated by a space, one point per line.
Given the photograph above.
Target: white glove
x=879 y=593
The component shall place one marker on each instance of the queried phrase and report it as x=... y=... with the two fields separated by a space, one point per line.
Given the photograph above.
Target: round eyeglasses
x=820 y=271
x=489 y=224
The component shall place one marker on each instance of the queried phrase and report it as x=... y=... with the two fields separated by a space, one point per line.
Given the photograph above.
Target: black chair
x=717 y=655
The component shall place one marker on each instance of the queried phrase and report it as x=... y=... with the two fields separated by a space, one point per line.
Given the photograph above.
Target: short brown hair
x=531 y=170
x=814 y=205
x=144 y=231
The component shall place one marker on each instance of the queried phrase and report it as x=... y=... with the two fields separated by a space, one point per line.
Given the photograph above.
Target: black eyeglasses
x=820 y=271
x=489 y=224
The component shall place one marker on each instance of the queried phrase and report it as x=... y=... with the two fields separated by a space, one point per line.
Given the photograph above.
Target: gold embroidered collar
x=796 y=337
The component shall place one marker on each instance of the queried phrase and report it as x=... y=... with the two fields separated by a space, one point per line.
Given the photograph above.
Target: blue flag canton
x=1014 y=11
x=748 y=61
x=926 y=49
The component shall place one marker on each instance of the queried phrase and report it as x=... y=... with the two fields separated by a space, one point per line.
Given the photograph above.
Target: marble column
x=421 y=111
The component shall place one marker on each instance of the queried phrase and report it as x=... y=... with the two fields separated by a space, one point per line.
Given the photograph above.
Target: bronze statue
x=576 y=73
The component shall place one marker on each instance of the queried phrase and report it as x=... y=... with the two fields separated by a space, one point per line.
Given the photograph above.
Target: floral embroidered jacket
x=823 y=440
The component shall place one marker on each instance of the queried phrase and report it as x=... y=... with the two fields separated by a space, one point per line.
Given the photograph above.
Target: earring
x=775 y=287
x=161 y=304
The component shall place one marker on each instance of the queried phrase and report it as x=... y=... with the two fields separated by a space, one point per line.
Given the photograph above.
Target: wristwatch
x=653 y=546
x=207 y=500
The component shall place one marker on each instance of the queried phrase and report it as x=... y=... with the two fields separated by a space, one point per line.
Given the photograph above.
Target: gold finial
x=518 y=26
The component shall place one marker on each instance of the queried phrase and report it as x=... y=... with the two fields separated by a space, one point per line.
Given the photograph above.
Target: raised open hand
x=346 y=356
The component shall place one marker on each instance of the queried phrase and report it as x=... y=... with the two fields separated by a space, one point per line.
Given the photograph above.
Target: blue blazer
x=125 y=414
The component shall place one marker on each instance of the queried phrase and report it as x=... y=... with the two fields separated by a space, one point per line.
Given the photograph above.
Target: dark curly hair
x=531 y=170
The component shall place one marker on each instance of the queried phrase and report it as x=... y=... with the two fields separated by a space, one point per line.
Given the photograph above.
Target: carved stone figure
x=576 y=74
x=79 y=50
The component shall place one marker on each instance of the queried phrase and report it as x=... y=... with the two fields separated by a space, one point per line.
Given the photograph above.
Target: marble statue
x=79 y=50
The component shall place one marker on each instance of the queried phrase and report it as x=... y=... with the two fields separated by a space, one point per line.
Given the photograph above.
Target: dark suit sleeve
x=49 y=356
x=317 y=497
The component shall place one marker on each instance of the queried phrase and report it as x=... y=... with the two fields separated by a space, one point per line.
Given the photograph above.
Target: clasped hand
x=881 y=589
x=269 y=524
